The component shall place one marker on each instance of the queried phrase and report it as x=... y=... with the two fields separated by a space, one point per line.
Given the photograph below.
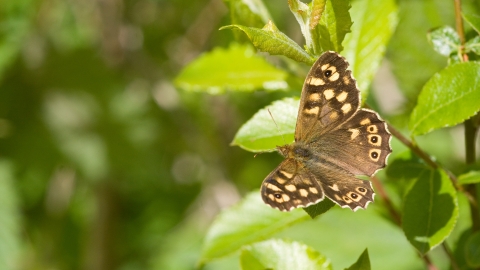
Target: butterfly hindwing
x=290 y=186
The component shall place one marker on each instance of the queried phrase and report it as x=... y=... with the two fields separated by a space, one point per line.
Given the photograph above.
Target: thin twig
x=377 y=184
x=450 y=256
x=470 y=127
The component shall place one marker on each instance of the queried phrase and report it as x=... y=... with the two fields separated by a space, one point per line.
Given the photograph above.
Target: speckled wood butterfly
x=335 y=140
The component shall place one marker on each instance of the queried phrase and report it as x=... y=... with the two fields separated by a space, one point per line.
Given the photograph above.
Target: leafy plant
x=433 y=202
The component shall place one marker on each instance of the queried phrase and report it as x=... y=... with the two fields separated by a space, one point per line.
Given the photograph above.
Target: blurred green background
x=104 y=164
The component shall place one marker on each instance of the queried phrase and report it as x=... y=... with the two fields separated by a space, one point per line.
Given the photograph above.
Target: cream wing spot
x=329 y=94
x=291 y=188
x=273 y=187
x=365 y=122
x=355 y=132
x=334 y=77
x=314 y=97
x=333 y=115
x=338 y=198
x=287 y=174
x=342 y=96
x=313 y=190
x=271 y=197
x=312 y=111
x=334 y=187
x=285 y=197
x=346 y=108
x=316 y=81
x=324 y=67
x=346 y=80
x=303 y=192
x=280 y=180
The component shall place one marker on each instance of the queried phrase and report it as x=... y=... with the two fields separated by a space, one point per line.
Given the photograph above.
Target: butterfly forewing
x=329 y=97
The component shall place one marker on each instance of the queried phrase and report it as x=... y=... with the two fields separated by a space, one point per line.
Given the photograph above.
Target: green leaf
x=412 y=59
x=282 y=255
x=473 y=45
x=334 y=24
x=236 y=68
x=472 y=177
x=375 y=22
x=473 y=20
x=302 y=13
x=444 y=40
x=318 y=7
x=430 y=210
x=269 y=39
x=406 y=166
x=363 y=262
x=249 y=221
x=248 y=12
x=319 y=208
x=10 y=225
x=261 y=134
x=472 y=250
x=448 y=98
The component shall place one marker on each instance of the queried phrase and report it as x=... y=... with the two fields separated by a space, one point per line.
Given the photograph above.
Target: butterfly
x=335 y=140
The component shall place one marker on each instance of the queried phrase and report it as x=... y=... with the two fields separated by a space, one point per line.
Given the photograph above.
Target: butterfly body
x=335 y=140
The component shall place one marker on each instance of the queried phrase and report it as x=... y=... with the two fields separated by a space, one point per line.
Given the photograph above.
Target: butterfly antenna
x=278 y=129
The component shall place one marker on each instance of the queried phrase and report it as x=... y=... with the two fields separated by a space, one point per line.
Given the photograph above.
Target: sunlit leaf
x=249 y=221
x=363 y=262
x=445 y=40
x=262 y=133
x=318 y=7
x=282 y=255
x=473 y=20
x=375 y=22
x=334 y=24
x=430 y=210
x=237 y=68
x=471 y=177
x=248 y=12
x=269 y=39
x=302 y=11
x=473 y=45
x=412 y=59
x=472 y=250
x=454 y=89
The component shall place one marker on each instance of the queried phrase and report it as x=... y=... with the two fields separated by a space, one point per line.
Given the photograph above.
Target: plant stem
x=388 y=203
x=469 y=125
